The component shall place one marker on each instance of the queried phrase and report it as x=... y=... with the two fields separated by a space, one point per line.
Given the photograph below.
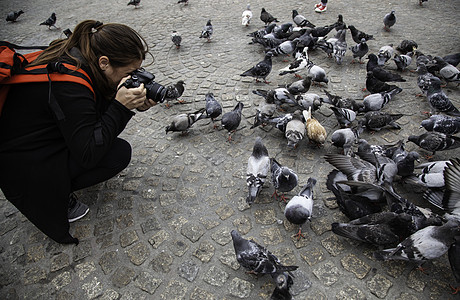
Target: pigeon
x=376 y=120
x=454 y=259
x=380 y=229
x=427 y=180
x=353 y=205
x=297 y=65
x=435 y=141
x=258 y=168
x=389 y=20
x=453 y=59
x=299 y=209
x=341 y=102
x=176 y=39
x=279 y=96
x=265 y=110
x=246 y=16
x=327 y=45
x=136 y=3
x=386 y=76
x=385 y=54
x=309 y=100
x=261 y=69
x=405 y=163
x=426 y=244
x=284 y=179
x=174 y=92
x=232 y=119
x=266 y=17
x=377 y=101
x=442 y=123
x=382 y=150
x=344 y=116
x=255 y=258
x=267 y=43
x=374 y=85
x=317 y=73
x=447 y=71
x=207 y=31
x=345 y=138
x=321 y=31
x=213 y=108
x=340 y=24
x=359 y=50
x=358 y=35
x=402 y=61
x=340 y=46
x=438 y=100
x=263 y=31
x=51 y=21
x=286 y=48
x=300 y=86
x=407 y=46
x=183 y=1
x=300 y=20
x=295 y=129
x=315 y=131
x=183 y=122
x=14 y=15
x=279 y=122
x=432 y=167
x=283 y=282
x=424 y=78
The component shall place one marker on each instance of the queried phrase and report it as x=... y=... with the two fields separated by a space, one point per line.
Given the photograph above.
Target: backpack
x=14 y=70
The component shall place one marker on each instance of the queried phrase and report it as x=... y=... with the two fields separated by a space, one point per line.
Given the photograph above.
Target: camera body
x=155 y=91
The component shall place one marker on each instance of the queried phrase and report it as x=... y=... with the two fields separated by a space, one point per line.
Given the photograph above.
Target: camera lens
x=156 y=91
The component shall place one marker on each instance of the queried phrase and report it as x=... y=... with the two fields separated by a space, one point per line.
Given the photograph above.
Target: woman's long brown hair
x=120 y=43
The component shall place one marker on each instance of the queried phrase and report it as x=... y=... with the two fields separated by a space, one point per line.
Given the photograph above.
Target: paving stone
x=122 y=276
x=265 y=216
x=200 y=294
x=85 y=269
x=147 y=282
x=313 y=256
x=222 y=236
x=353 y=264
x=240 y=288
x=162 y=262
x=224 y=212
x=61 y=280
x=93 y=288
x=110 y=295
x=174 y=290
x=193 y=231
x=35 y=253
x=138 y=253
x=128 y=238
x=228 y=258
x=328 y=273
x=109 y=262
x=188 y=270
x=150 y=225
x=178 y=247
x=333 y=245
x=415 y=280
x=103 y=227
x=59 y=262
x=158 y=238
x=379 y=285
x=215 y=276
x=125 y=220
x=301 y=283
x=204 y=252
x=350 y=292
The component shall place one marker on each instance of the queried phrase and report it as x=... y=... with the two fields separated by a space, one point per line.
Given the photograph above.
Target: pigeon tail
x=307 y=190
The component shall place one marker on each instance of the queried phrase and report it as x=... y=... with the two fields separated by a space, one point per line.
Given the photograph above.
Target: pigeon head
x=413 y=139
x=428 y=124
x=372 y=57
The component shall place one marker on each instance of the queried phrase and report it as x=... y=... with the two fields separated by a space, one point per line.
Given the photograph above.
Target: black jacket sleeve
x=84 y=124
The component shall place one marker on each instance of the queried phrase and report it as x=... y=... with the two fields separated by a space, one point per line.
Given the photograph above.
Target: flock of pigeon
x=364 y=175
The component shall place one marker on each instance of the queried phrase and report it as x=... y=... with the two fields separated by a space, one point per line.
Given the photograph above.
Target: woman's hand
x=134 y=97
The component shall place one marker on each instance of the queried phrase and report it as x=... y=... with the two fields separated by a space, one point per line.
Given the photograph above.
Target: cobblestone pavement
x=161 y=228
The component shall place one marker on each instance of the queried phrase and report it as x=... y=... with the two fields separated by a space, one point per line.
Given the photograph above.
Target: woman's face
x=115 y=74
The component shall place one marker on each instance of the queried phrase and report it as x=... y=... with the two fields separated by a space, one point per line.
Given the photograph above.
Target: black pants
x=113 y=163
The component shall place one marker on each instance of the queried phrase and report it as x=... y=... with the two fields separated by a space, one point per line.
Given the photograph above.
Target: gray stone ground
x=161 y=228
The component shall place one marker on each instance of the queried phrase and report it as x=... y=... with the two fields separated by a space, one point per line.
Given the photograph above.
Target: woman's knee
x=123 y=151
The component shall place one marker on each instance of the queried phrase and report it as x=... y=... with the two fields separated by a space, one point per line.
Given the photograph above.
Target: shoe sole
x=79 y=217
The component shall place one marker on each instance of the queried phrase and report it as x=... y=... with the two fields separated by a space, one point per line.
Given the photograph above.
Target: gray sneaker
x=77 y=209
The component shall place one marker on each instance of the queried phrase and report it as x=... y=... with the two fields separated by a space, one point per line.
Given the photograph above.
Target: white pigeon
x=246 y=16
x=297 y=65
x=258 y=168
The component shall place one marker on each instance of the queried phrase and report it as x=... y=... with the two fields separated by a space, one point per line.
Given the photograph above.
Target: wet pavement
x=161 y=228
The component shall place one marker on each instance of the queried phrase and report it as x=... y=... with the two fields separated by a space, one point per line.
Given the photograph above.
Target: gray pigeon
x=213 y=108
x=438 y=100
x=295 y=129
x=176 y=39
x=376 y=120
x=279 y=96
x=261 y=69
x=136 y=3
x=424 y=78
x=446 y=70
x=389 y=20
x=426 y=244
x=51 y=21
x=435 y=141
x=207 y=31
x=266 y=17
x=432 y=166
x=299 y=209
x=13 y=16
x=358 y=35
x=377 y=101
x=405 y=162
x=183 y=122
x=286 y=48
x=284 y=179
x=385 y=54
x=283 y=282
x=257 y=171
x=359 y=50
x=442 y=123
x=309 y=100
x=344 y=116
x=402 y=61
x=407 y=46
x=317 y=73
x=255 y=258
x=174 y=92
x=299 y=86
x=345 y=138
x=339 y=101
x=453 y=59
x=232 y=119
x=340 y=46
x=300 y=20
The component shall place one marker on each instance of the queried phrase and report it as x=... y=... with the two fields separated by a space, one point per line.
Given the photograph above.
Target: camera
x=155 y=91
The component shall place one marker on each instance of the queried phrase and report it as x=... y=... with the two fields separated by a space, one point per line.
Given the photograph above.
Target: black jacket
x=35 y=147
